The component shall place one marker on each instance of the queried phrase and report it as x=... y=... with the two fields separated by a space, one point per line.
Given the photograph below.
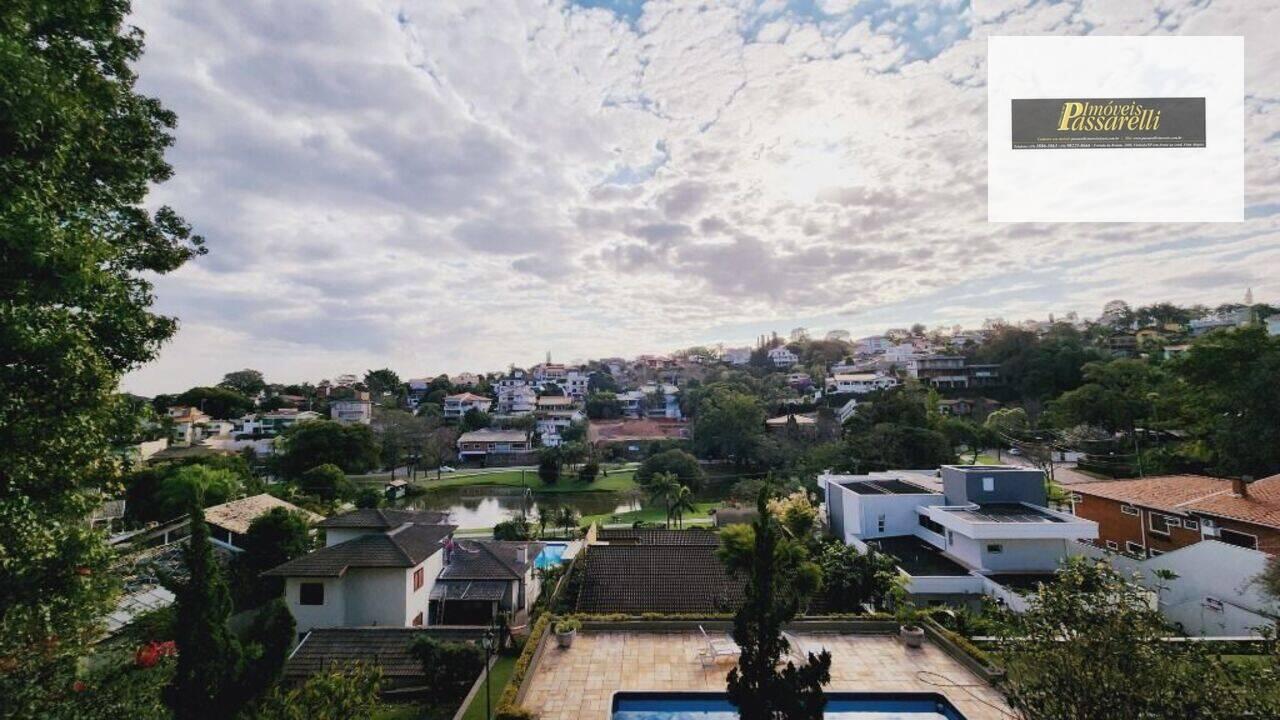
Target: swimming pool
x=841 y=705
x=552 y=554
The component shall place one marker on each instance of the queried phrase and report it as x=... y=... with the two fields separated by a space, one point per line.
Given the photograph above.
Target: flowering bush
x=149 y=655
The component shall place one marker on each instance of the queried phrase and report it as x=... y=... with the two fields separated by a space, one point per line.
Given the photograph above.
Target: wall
x=418 y=601
x=965 y=486
x=331 y=614
x=899 y=513
x=1018 y=555
x=376 y=596
x=1116 y=526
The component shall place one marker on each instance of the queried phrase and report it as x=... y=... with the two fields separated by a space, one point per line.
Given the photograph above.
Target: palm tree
x=567 y=518
x=681 y=501
x=663 y=488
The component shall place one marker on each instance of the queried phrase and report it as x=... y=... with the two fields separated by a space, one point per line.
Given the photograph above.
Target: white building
x=860 y=383
x=272 y=424
x=736 y=356
x=517 y=399
x=455 y=406
x=987 y=529
x=781 y=357
x=872 y=345
x=352 y=410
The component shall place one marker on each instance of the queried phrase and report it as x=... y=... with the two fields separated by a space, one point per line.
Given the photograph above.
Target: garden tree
x=552 y=390
x=576 y=432
x=588 y=472
x=1116 y=396
x=450 y=667
x=602 y=381
x=902 y=406
x=967 y=434
x=327 y=481
x=567 y=518
x=382 y=381
x=79 y=150
x=474 y=419
x=438 y=448
x=273 y=538
x=549 y=465
x=399 y=433
x=513 y=529
x=573 y=453
x=796 y=514
x=679 y=463
x=1005 y=423
x=662 y=489
x=349 y=692
x=1038 y=368
x=682 y=501
x=273 y=632
x=1228 y=393
x=144 y=503
x=888 y=446
x=305 y=445
x=246 y=382
x=217 y=402
x=211 y=661
x=851 y=578
x=189 y=485
x=369 y=497
x=780 y=576
x=1090 y=648
x=728 y=425
x=603 y=405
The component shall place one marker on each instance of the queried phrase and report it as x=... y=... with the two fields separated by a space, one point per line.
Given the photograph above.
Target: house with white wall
x=482 y=579
x=859 y=383
x=781 y=357
x=358 y=409
x=986 y=527
x=455 y=406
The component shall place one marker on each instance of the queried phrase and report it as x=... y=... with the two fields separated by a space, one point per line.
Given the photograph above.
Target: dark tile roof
x=470 y=589
x=647 y=536
x=384 y=519
x=489 y=560
x=404 y=547
x=383 y=646
x=637 y=579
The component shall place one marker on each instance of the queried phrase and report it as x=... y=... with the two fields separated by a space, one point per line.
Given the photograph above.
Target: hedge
x=508 y=708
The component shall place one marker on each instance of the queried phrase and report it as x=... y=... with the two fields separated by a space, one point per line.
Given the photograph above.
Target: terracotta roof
x=1195 y=494
x=382 y=519
x=656 y=536
x=386 y=647
x=404 y=547
x=637 y=579
x=467 y=397
x=611 y=431
x=237 y=515
x=550 y=400
x=516 y=436
x=489 y=560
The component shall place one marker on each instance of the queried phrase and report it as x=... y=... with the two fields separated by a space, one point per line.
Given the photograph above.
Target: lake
x=483 y=507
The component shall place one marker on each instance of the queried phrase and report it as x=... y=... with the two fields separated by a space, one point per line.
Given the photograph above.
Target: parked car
x=444 y=468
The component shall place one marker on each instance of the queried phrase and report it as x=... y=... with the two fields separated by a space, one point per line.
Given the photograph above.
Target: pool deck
x=578 y=683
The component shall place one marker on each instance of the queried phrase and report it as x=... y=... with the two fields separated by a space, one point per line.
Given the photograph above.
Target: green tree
x=513 y=529
x=352 y=447
x=273 y=631
x=603 y=406
x=474 y=419
x=682 y=501
x=382 y=381
x=851 y=578
x=588 y=472
x=349 y=692
x=79 y=151
x=273 y=538
x=450 y=667
x=246 y=382
x=218 y=402
x=1090 y=647
x=567 y=518
x=328 y=481
x=369 y=497
x=728 y=425
x=779 y=577
x=195 y=485
x=211 y=662
x=549 y=465
x=676 y=462
x=662 y=489
x=1116 y=395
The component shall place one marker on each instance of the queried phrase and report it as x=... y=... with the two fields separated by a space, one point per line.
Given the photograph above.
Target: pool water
x=552 y=554
x=840 y=705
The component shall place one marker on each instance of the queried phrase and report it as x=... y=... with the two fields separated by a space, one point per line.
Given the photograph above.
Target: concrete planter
x=565 y=640
x=912 y=635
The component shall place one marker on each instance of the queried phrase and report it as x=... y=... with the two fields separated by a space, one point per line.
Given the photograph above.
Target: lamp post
x=487 y=641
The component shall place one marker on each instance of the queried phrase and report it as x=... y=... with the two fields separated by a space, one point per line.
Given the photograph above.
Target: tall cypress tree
x=207 y=681
x=780 y=576
x=79 y=149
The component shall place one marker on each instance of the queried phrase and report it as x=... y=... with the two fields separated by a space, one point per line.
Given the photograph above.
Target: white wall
x=376 y=596
x=418 y=601
x=331 y=614
x=899 y=512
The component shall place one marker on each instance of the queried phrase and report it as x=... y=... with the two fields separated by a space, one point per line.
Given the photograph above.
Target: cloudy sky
x=437 y=186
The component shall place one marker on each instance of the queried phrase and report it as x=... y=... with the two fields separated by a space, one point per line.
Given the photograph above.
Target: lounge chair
x=717 y=649
x=796 y=650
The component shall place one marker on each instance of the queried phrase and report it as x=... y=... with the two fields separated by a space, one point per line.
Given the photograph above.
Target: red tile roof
x=611 y=431
x=1196 y=494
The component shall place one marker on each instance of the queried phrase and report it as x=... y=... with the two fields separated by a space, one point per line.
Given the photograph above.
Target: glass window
x=311 y=593
x=1244 y=540
x=1191 y=524
x=417 y=579
x=1135 y=549
x=988 y=484
x=1128 y=510
x=995 y=548
x=1158 y=523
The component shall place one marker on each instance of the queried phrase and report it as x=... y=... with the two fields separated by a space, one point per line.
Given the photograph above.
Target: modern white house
x=402 y=568
x=781 y=357
x=986 y=530
x=517 y=399
x=736 y=356
x=859 y=383
x=455 y=406
x=358 y=409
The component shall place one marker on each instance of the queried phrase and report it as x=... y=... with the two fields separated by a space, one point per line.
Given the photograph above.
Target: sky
x=442 y=186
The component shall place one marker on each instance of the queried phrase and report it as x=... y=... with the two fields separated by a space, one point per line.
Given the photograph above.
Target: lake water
x=482 y=507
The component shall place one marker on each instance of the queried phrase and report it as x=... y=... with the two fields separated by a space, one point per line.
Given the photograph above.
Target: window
x=988 y=484
x=995 y=548
x=1173 y=522
x=1191 y=524
x=1158 y=523
x=929 y=524
x=1154 y=552
x=417 y=620
x=1128 y=510
x=417 y=579
x=1134 y=548
x=1233 y=537
x=311 y=593
x=1077 y=498
x=879 y=523
x=1113 y=545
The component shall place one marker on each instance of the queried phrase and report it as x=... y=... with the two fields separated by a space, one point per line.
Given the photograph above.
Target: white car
x=444 y=468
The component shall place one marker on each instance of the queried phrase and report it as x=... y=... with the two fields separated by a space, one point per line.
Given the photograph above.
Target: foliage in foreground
x=450 y=667
x=342 y=693
x=1090 y=648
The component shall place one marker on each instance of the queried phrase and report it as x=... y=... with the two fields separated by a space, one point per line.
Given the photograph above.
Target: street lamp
x=488 y=641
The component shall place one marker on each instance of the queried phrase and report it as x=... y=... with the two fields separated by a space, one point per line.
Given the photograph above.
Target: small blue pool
x=552 y=554
x=841 y=705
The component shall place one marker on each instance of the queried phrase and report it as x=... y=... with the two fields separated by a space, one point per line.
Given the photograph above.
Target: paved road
x=1064 y=474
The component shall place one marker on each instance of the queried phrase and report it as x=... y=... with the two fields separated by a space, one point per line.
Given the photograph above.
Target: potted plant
x=566 y=629
x=909 y=628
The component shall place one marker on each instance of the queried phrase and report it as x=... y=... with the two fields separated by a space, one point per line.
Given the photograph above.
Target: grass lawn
x=617 y=481
x=701 y=516
x=499 y=675
x=413 y=711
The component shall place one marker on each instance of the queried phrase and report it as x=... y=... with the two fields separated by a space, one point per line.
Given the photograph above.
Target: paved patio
x=578 y=683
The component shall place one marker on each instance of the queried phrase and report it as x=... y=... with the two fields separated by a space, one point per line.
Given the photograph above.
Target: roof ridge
x=495 y=556
x=395 y=542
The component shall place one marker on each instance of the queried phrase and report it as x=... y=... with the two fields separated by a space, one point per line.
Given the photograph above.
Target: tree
x=198 y=485
x=273 y=631
x=246 y=382
x=273 y=538
x=1270 y=578
x=305 y=445
x=779 y=577
x=474 y=419
x=682 y=502
x=217 y=402
x=382 y=381
x=728 y=425
x=851 y=579
x=349 y=692
x=588 y=472
x=80 y=149
x=1090 y=647
x=603 y=406
x=450 y=667
x=567 y=518
x=662 y=489
x=513 y=529
x=675 y=462
x=328 y=481
x=796 y=514
x=370 y=497
x=549 y=465
x=211 y=661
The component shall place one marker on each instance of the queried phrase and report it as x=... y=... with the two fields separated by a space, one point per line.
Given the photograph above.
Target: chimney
x=1240 y=485
x=522 y=554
